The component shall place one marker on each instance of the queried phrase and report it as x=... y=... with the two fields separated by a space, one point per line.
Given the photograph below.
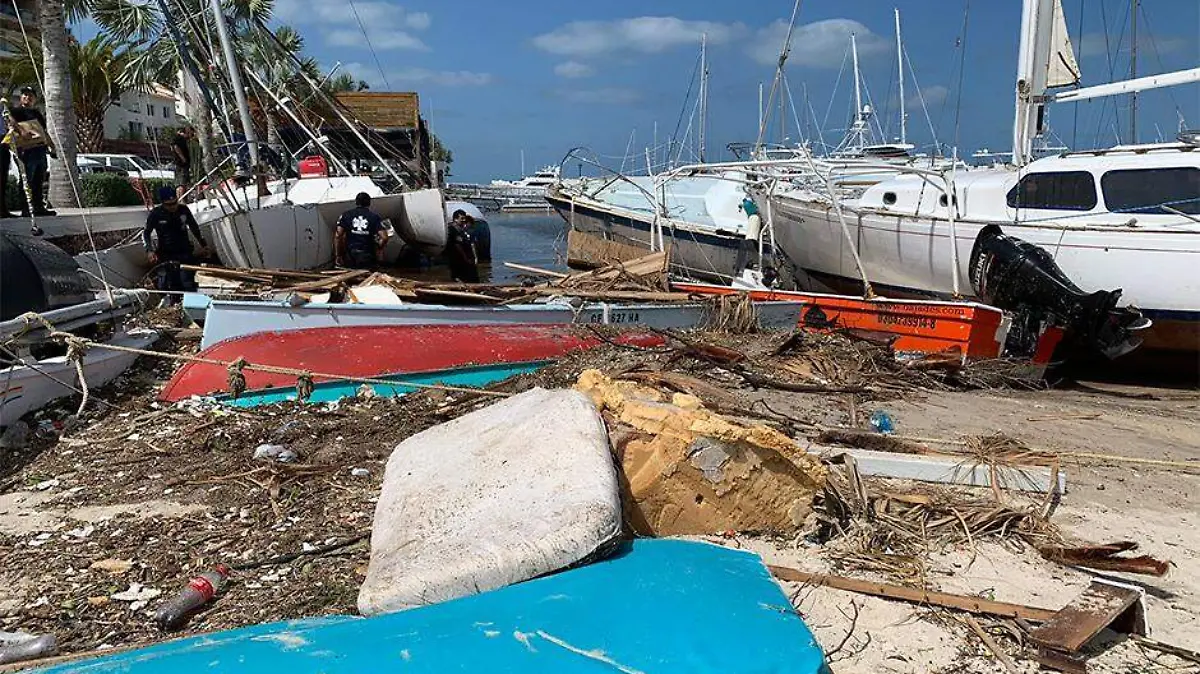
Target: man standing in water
x=360 y=236
x=171 y=221
x=460 y=249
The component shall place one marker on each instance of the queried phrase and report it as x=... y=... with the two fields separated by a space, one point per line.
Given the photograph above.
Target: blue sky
x=544 y=76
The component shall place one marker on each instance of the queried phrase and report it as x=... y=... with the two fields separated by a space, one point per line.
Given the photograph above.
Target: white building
x=141 y=115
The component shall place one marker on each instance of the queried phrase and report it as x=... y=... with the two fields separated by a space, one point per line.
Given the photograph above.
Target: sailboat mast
x=235 y=80
x=900 y=66
x=1133 y=97
x=523 y=174
x=703 y=91
x=857 y=78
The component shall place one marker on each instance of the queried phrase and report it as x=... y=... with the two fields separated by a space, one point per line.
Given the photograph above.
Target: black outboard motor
x=1023 y=279
x=36 y=275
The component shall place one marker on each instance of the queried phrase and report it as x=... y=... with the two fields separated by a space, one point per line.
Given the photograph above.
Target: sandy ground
x=141 y=497
x=1106 y=500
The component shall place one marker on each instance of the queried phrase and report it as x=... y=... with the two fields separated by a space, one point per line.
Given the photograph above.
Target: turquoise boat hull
x=476 y=376
x=656 y=607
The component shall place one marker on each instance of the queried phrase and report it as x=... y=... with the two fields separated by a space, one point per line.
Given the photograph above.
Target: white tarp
x=1064 y=69
x=505 y=494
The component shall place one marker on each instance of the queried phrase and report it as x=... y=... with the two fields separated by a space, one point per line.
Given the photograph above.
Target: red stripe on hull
x=369 y=351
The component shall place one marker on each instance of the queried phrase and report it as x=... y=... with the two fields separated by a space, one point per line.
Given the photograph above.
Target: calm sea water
x=537 y=240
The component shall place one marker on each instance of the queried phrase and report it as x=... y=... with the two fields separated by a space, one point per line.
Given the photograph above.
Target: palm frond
x=127 y=19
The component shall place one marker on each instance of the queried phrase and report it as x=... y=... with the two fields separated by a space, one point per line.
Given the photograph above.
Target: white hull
x=24 y=389
x=285 y=230
x=227 y=320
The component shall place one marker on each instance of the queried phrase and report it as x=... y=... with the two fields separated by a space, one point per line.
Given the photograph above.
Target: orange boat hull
x=919 y=327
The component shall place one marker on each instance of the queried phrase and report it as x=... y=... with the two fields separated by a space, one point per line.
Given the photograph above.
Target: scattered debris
x=692 y=471
x=1104 y=604
x=275 y=453
x=113 y=566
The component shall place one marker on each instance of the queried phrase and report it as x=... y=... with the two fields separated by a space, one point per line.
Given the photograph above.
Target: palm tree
x=98 y=78
x=60 y=114
x=143 y=24
x=271 y=61
x=346 y=82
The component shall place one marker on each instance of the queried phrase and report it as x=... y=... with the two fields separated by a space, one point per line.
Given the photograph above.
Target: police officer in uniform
x=170 y=222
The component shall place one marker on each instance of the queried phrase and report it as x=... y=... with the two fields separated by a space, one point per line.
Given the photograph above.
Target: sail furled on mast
x=1063 y=68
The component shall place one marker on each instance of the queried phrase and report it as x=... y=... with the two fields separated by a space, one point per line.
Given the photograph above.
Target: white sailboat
x=1126 y=217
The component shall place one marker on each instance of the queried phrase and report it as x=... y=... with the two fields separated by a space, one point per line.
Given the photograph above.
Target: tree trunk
x=89 y=130
x=272 y=128
x=198 y=115
x=60 y=113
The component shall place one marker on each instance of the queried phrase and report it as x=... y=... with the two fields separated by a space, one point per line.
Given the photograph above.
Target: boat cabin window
x=1059 y=191
x=1153 y=191
x=889 y=198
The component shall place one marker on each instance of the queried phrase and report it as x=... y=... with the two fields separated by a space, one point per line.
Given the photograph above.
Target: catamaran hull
x=695 y=254
x=908 y=257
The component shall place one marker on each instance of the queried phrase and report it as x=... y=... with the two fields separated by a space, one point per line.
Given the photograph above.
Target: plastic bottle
x=199 y=591
x=21 y=646
x=881 y=422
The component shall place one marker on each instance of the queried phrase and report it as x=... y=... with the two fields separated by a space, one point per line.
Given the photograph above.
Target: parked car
x=132 y=164
x=87 y=166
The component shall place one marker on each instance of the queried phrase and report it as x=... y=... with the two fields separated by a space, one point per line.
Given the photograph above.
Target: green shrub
x=107 y=189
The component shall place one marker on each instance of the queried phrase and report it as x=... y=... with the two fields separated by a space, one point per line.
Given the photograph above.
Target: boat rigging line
x=783 y=56
x=370 y=47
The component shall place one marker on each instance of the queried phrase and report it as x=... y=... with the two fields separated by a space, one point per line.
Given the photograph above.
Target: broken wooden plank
x=991 y=644
x=241 y=272
x=879 y=442
x=1103 y=604
x=901 y=593
x=536 y=270
x=1104 y=558
x=476 y=298
x=947 y=469
x=330 y=281
x=613 y=295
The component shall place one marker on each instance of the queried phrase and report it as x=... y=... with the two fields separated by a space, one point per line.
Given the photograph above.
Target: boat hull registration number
x=615 y=317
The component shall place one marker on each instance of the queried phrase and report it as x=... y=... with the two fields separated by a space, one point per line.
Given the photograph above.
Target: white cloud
x=387 y=23
x=1095 y=44
x=444 y=78
x=573 y=70
x=418 y=21
x=416 y=76
x=644 y=34
x=606 y=95
x=821 y=44
x=933 y=95
x=349 y=37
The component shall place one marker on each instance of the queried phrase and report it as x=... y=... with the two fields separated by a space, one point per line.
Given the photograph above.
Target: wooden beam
x=536 y=270
x=330 y=281
x=901 y=593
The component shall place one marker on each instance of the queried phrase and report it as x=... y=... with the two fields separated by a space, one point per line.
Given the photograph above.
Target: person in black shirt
x=181 y=154
x=360 y=236
x=460 y=250
x=32 y=144
x=170 y=221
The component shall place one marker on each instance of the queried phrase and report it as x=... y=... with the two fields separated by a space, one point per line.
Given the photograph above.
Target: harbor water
x=532 y=239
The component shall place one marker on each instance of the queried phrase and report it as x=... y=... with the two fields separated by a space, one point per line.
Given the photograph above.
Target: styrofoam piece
x=504 y=494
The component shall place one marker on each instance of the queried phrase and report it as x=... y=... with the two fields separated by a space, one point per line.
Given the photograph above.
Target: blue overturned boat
x=655 y=607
